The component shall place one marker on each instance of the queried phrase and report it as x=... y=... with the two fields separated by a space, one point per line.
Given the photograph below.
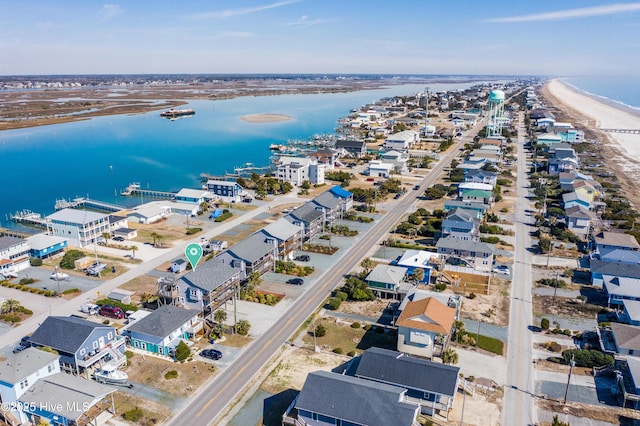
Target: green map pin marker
x=194 y=254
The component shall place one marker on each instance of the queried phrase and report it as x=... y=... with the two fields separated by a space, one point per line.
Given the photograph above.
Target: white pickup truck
x=90 y=308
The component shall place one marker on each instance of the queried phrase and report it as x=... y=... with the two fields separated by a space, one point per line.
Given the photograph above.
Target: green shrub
x=338 y=351
x=106 y=322
x=182 y=351
x=351 y=353
x=321 y=330
x=587 y=357
x=134 y=415
x=441 y=287
x=355 y=324
x=35 y=261
x=224 y=216
x=367 y=327
x=191 y=231
x=171 y=374
x=472 y=296
x=120 y=305
x=27 y=281
x=73 y=290
x=334 y=303
x=129 y=354
x=566 y=332
x=341 y=295
x=69 y=258
x=544 y=323
x=242 y=327
x=552 y=282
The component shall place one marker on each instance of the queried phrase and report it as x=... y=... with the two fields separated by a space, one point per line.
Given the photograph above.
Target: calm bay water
x=100 y=157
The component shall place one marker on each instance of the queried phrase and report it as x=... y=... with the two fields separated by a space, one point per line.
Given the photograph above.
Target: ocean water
x=625 y=90
x=98 y=158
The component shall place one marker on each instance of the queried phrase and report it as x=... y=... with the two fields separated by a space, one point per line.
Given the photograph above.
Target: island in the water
x=265 y=118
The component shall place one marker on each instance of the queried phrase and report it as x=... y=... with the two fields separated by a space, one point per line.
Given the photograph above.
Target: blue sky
x=579 y=37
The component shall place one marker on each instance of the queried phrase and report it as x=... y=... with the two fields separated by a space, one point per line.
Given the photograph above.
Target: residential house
x=579 y=220
x=419 y=259
x=184 y=209
x=296 y=170
x=126 y=233
x=387 y=281
x=615 y=240
x=14 y=255
x=226 y=191
x=586 y=189
x=287 y=236
x=571 y=199
x=163 y=329
x=474 y=254
x=398 y=159
x=476 y=195
x=311 y=216
x=122 y=296
x=630 y=313
x=330 y=398
x=207 y=287
x=151 y=212
x=379 y=169
x=178 y=266
x=80 y=343
x=401 y=141
x=336 y=194
x=351 y=148
x=193 y=196
x=562 y=165
x=415 y=294
x=34 y=391
x=258 y=252
x=487 y=155
x=480 y=176
x=117 y=221
x=474 y=163
x=44 y=246
x=424 y=327
x=461 y=224
x=430 y=384
x=79 y=227
x=548 y=139
x=601 y=269
x=545 y=122
x=567 y=180
x=478 y=208
x=626 y=339
x=618 y=287
x=325 y=157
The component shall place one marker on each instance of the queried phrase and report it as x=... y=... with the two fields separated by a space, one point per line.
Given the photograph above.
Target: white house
x=401 y=141
x=79 y=227
x=379 y=169
x=14 y=255
x=296 y=170
x=398 y=159
x=150 y=212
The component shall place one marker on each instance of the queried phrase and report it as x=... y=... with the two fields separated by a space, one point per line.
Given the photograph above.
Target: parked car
x=118 y=238
x=19 y=348
x=111 y=312
x=303 y=258
x=502 y=270
x=295 y=281
x=415 y=188
x=211 y=354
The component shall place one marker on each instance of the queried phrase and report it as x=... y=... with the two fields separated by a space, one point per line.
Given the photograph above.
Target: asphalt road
x=519 y=404
x=206 y=407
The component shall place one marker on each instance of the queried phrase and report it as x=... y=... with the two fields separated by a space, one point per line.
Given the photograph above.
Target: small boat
x=110 y=375
x=173 y=113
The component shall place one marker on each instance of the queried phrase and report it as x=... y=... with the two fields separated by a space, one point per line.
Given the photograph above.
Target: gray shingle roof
x=383 y=365
x=387 y=274
x=211 y=274
x=163 y=321
x=252 y=248
x=627 y=336
x=463 y=215
x=615 y=268
x=65 y=334
x=356 y=400
x=7 y=242
x=281 y=229
x=23 y=364
x=466 y=204
x=76 y=216
x=328 y=200
x=66 y=395
x=454 y=243
x=308 y=212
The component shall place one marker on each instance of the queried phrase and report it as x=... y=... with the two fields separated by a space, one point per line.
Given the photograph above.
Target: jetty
x=27 y=217
x=87 y=203
x=134 y=190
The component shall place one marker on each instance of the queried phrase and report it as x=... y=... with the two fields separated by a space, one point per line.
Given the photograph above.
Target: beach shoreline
x=266 y=117
x=620 y=152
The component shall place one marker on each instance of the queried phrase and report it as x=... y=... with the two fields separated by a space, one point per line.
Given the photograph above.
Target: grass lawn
x=490 y=344
x=349 y=339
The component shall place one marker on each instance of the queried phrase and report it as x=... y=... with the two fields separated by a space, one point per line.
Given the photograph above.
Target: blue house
x=193 y=196
x=227 y=191
x=43 y=246
x=80 y=343
x=163 y=329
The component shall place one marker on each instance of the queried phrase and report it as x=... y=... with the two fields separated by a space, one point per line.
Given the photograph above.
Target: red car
x=111 y=312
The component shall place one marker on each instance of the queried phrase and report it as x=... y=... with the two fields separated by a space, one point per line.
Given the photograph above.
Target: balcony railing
x=110 y=349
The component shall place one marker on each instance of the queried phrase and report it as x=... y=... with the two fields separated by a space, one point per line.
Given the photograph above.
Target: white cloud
x=610 y=9
x=305 y=22
x=243 y=11
x=109 y=11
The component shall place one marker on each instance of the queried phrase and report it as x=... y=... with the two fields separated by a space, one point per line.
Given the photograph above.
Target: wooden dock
x=87 y=203
x=134 y=190
x=27 y=217
x=630 y=131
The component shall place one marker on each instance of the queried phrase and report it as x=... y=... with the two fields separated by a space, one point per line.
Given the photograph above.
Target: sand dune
x=265 y=118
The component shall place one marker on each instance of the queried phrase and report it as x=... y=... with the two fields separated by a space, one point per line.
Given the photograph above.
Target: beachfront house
x=329 y=398
x=151 y=212
x=163 y=329
x=226 y=191
x=258 y=252
x=431 y=385
x=80 y=227
x=424 y=327
x=193 y=196
x=296 y=170
x=79 y=342
x=579 y=220
x=388 y=281
x=470 y=253
x=548 y=139
x=286 y=235
x=34 y=391
x=14 y=255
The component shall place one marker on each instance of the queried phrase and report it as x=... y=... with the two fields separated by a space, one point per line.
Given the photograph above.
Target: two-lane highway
x=211 y=402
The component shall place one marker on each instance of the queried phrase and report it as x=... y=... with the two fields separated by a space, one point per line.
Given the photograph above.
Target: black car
x=211 y=354
x=303 y=258
x=118 y=238
x=296 y=281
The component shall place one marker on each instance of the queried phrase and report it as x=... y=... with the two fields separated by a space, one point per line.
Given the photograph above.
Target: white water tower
x=495 y=113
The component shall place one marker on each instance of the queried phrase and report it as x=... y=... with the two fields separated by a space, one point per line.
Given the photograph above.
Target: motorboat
x=110 y=375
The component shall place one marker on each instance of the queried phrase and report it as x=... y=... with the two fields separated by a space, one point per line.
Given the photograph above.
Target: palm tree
x=159 y=238
x=458 y=326
x=220 y=316
x=418 y=274
x=133 y=251
x=10 y=305
x=450 y=357
x=154 y=235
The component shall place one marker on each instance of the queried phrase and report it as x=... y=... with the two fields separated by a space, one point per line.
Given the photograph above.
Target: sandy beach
x=266 y=118
x=620 y=151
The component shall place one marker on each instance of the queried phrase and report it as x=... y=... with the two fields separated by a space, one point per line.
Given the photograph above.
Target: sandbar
x=266 y=117
x=621 y=151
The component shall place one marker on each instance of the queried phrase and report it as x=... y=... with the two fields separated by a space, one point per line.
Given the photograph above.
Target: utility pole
x=464 y=398
x=549 y=251
x=566 y=391
x=555 y=289
x=57 y=282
